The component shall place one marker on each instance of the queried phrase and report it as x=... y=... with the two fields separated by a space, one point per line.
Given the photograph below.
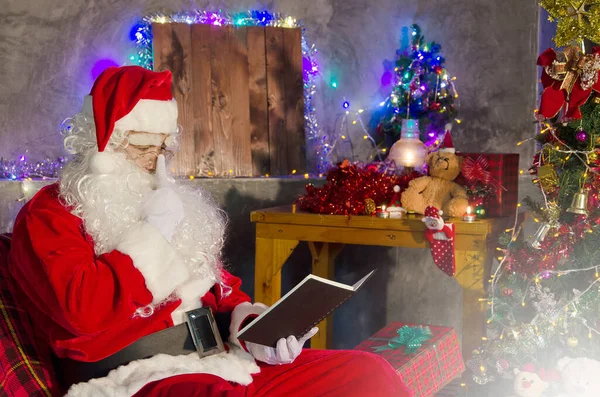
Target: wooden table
x=279 y=230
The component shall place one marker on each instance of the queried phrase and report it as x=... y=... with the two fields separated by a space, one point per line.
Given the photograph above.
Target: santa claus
x=110 y=259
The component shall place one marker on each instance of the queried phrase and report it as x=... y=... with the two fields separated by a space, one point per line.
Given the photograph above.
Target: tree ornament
x=502 y=366
x=569 y=77
x=507 y=291
x=576 y=19
x=548 y=178
x=581 y=135
x=552 y=212
x=370 y=206
x=539 y=236
x=572 y=342
x=480 y=211
x=579 y=203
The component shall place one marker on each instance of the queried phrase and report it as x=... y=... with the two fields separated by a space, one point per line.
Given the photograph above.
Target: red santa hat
x=432 y=212
x=395 y=201
x=131 y=98
x=447 y=146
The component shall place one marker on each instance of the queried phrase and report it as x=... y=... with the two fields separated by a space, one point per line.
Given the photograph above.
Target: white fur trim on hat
x=148 y=115
x=448 y=150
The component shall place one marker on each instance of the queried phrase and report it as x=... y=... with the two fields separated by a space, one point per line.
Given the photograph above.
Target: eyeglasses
x=147 y=153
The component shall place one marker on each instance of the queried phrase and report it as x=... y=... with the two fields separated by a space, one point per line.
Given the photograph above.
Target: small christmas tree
x=422 y=90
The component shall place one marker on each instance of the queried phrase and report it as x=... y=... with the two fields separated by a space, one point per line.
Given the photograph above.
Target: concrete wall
x=49 y=47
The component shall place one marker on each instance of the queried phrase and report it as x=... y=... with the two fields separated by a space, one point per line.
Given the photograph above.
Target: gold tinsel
x=576 y=19
x=370 y=206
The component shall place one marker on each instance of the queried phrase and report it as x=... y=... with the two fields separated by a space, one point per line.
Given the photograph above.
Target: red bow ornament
x=477 y=171
x=568 y=78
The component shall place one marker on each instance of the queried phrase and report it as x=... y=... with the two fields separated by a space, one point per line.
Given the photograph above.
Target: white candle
x=468 y=216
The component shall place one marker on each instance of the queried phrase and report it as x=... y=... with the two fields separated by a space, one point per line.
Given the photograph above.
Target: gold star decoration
x=576 y=19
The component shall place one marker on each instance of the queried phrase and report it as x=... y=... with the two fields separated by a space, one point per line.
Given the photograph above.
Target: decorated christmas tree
x=544 y=301
x=422 y=90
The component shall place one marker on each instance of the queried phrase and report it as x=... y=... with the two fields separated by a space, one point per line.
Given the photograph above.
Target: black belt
x=203 y=333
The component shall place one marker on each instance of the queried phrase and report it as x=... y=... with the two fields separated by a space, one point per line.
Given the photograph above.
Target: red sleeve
x=57 y=268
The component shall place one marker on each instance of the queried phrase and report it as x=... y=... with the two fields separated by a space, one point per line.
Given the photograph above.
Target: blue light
x=334 y=84
x=346 y=104
x=136 y=32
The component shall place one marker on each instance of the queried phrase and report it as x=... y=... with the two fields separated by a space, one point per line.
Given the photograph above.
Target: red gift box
x=435 y=364
x=497 y=171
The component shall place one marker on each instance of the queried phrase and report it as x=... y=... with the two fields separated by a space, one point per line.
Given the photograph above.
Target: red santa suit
x=86 y=305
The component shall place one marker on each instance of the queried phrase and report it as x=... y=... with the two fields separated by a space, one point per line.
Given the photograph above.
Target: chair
x=25 y=363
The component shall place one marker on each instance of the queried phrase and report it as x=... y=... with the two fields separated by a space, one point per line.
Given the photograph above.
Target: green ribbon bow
x=410 y=337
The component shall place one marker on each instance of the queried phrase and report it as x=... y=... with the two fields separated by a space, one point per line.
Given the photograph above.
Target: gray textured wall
x=47 y=48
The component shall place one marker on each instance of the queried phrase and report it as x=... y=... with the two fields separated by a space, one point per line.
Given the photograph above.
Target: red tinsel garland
x=349 y=185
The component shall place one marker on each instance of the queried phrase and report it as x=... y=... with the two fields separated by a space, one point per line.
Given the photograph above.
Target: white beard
x=110 y=203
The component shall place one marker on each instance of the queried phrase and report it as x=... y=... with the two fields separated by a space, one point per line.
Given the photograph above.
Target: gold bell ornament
x=579 y=203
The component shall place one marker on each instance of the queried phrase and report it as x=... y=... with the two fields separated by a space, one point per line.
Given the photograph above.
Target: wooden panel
x=241 y=111
x=276 y=100
x=257 y=85
x=173 y=51
x=294 y=100
x=202 y=111
x=240 y=102
x=323 y=265
x=222 y=118
x=384 y=238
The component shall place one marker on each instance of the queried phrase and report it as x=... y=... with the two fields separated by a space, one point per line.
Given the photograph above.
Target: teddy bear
x=528 y=383
x=438 y=189
x=580 y=377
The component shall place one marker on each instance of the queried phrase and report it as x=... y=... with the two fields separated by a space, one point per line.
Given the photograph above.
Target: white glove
x=286 y=351
x=162 y=208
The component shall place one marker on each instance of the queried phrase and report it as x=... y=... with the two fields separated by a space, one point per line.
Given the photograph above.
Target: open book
x=309 y=302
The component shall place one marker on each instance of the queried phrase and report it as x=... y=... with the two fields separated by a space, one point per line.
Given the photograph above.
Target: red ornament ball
x=507 y=291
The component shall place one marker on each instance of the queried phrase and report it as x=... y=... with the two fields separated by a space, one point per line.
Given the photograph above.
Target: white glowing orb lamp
x=409 y=151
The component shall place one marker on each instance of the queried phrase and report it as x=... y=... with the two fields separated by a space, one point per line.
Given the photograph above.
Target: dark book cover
x=306 y=305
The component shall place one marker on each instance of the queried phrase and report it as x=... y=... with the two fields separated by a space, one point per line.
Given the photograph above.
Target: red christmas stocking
x=442 y=251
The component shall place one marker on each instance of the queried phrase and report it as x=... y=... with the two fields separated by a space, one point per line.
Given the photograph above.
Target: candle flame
x=469 y=210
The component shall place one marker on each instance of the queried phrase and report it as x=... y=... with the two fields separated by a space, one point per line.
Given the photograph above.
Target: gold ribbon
x=567 y=67
x=572 y=63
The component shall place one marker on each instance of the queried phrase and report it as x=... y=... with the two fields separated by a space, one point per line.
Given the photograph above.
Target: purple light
x=22 y=158
x=431 y=134
x=386 y=78
x=100 y=66
x=423 y=88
